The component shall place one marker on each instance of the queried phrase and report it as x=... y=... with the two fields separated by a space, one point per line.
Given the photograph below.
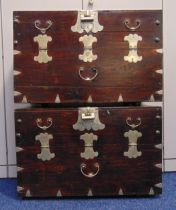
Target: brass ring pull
x=132 y=125
x=43 y=30
x=89 y=175
x=88 y=78
x=132 y=28
x=44 y=127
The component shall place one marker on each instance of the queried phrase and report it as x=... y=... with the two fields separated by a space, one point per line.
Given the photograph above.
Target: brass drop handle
x=90 y=174
x=132 y=28
x=133 y=125
x=43 y=29
x=94 y=70
x=39 y=122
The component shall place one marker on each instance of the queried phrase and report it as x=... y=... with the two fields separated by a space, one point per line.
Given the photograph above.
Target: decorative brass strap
x=133 y=40
x=89 y=152
x=44 y=139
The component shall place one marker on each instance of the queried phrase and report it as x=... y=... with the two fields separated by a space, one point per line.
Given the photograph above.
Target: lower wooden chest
x=89 y=151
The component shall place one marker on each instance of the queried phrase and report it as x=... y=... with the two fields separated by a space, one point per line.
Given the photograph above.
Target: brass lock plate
x=87 y=21
x=88 y=118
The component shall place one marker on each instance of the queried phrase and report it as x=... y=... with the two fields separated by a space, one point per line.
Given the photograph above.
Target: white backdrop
x=169 y=85
x=7 y=134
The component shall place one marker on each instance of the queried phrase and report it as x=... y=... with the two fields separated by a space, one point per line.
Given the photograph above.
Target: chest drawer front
x=64 y=156
x=55 y=69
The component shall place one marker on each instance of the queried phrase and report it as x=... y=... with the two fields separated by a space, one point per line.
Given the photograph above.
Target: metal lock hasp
x=87 y=21
x=88 y=118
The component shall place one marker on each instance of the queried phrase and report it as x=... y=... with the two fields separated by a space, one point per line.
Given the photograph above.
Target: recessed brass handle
x=94 y=70
x=43 y=29
x=91 y=174
x=39 y=122
x=132 y=28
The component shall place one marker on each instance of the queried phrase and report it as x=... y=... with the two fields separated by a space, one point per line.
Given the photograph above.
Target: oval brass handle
x=132 y=28
x=89 y=175
x=42 y=29
x=88 y=78
x=44 y=127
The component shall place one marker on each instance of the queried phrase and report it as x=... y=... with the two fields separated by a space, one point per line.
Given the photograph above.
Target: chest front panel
x=105 y=152
x=54 y=63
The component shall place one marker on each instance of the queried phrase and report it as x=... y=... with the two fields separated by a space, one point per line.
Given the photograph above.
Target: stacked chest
x=92 y=62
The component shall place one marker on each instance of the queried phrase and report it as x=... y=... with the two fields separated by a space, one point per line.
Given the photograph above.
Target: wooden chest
x=87 y=73
x=122 y=64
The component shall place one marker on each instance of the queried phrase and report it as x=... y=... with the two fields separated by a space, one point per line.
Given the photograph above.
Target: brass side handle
x=83 y=166
x=132 y=28
x=133 y=125
x=43 y=30
x=94 y=70
x=40 y=125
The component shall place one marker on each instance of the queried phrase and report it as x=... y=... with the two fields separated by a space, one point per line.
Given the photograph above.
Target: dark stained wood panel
x=72 y=95
x=117 y=172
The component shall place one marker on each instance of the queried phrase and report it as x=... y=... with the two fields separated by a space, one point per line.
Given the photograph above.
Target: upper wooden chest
x=78 y=57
